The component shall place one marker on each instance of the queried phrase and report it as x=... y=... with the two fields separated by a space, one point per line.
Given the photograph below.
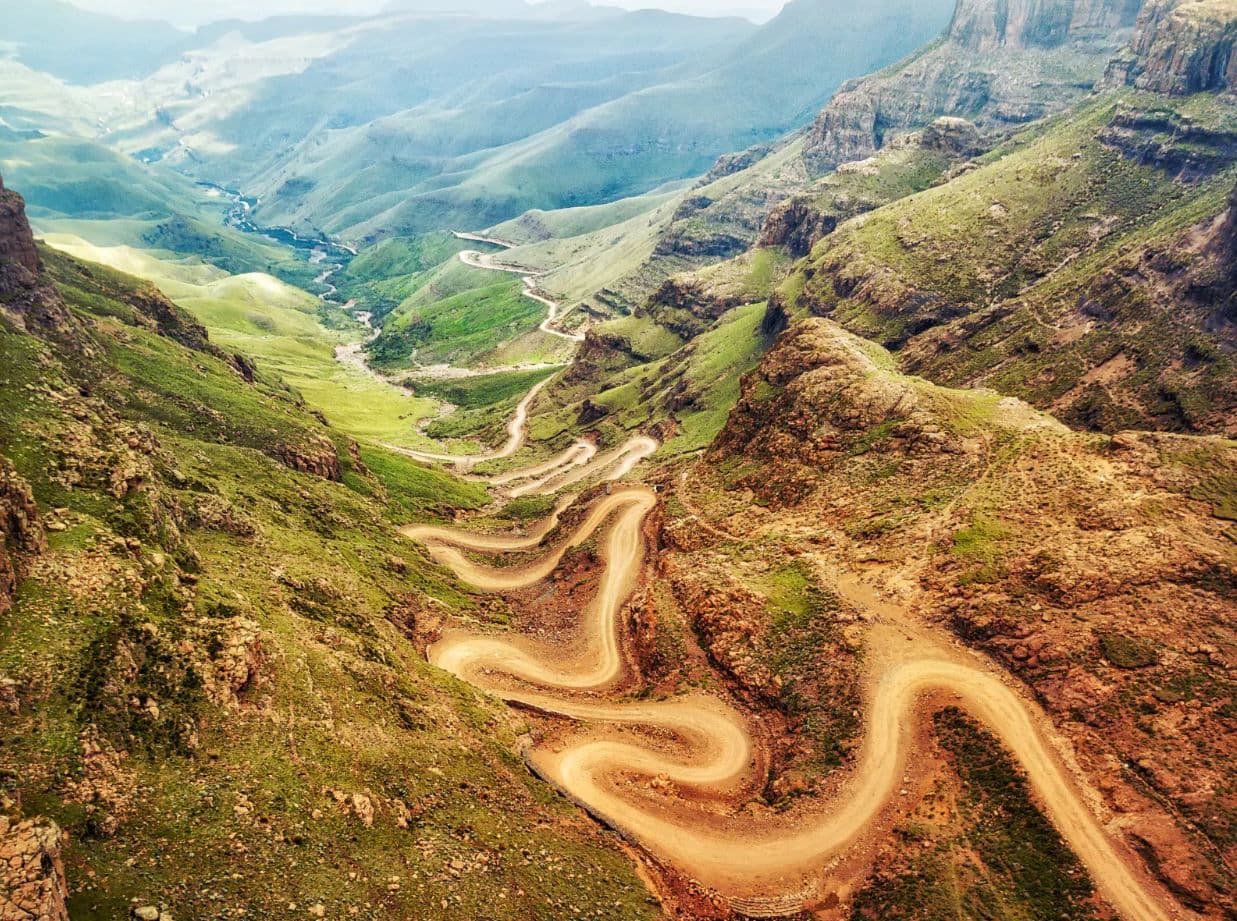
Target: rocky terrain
x=1180 y=48
x=999 y=65
x=945 y=377
x=1051 y=273
x=32 y=880
x=1097 y=570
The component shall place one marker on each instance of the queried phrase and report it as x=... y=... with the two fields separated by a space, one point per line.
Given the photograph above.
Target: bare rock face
x=985 y=25
x=319 y=459
x=19 y=259
x=1180 y=47
x=798 y=226
x=21 y=533
x=1002 y=62
x=32 y=881
x=22 y=287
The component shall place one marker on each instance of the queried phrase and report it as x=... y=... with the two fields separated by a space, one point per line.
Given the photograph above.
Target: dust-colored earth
x=702 y=751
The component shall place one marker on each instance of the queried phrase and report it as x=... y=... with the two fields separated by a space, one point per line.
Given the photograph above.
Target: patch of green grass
x=458 y=329
x=1125 y=651
x=281 y=327
x=983 y=545
x=1220 y=489
x=485 y=390
x=981 y=540
x=1003 y=860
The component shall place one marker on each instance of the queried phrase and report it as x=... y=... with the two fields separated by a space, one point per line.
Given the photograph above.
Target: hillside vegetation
x=206 y=674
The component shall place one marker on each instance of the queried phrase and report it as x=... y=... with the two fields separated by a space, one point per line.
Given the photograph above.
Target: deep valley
x=549 y=461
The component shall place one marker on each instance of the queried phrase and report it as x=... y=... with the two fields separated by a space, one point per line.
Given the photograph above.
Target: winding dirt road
x=679 y=776
x=477 y=260
x=768 y=865
x=517 y=428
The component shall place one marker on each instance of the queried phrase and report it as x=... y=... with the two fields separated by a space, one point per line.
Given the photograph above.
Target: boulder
x=21 y=532
x=32 y=880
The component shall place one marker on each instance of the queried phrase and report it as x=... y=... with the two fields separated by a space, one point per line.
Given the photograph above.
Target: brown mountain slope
x=1098 y=570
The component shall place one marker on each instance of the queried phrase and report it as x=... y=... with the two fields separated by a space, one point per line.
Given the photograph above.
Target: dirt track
x=699 y=752
x=517 y=428
x=477 y=260
x=771 y=864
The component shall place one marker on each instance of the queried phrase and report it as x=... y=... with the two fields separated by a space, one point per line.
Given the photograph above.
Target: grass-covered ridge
x=1071 y=268
x=290 y=334
x=217 y=696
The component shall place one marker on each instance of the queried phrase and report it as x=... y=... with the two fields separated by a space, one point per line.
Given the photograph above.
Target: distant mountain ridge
x=411 y=121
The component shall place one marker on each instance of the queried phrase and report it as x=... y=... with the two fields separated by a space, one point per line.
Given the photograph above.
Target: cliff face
x=22 y=287
x=985 y=25
x=19 y=259
x=1180 y=47
x=21 y=533
x=1002 y=62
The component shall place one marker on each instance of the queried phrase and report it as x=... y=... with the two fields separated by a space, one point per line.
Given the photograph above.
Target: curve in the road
x=478 y=260
x=770 y=866
x=517 y=429
x=701 y=749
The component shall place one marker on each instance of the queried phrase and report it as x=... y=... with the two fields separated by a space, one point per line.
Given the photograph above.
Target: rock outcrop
x=32 y=881
x=19 y=258
x=1002 y=62
x=318 y=458
x=23 y=290
x=798 y=226
x=800 y=222
x=955 y=137
x=1171 y=142
x=985 y=25
x=21 y=533
x=1180 y=47
x=1226 y=238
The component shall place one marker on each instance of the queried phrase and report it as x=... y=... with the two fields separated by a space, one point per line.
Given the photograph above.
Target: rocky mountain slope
x=949 y=373
x=1047 y=549
x=988 y=75
x=1084 y=267
x=998 y=65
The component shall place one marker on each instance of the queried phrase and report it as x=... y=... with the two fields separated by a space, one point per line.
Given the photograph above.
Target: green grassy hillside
x=290 y=334
x=213 y=686
x=80 y=187
x=1077 y=268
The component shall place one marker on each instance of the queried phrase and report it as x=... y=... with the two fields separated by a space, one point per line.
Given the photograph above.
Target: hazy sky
x=195 y=12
